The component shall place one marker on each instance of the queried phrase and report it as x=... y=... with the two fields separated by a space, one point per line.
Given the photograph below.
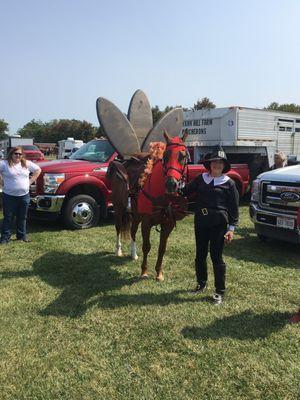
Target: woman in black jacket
x=216 y=216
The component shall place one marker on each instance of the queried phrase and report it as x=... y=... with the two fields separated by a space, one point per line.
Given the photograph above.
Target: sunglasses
x=18 y=154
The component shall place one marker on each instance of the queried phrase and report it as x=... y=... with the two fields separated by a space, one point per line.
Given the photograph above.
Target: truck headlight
x=255 y=190
x=52 y=182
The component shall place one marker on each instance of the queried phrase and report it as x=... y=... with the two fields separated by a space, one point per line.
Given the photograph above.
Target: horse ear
x=166 y=136
x=185 y=135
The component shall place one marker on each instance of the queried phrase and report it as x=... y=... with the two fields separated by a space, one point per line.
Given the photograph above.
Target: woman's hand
x=34 y=176
x=228 y=236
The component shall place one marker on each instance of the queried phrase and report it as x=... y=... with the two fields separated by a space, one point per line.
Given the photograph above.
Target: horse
x=157 y=202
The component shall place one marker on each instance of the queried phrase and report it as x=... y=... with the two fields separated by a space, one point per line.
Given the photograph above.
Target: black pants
x=212 y=236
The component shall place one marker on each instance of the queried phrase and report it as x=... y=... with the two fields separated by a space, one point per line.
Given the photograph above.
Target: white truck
x=275 y=202
x=13 y=141
x=67 y=147
x=247 y=135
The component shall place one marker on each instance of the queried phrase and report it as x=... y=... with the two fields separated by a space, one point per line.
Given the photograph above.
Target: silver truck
x=275 y=201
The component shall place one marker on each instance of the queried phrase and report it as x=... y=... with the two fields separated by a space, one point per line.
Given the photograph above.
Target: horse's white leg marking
x=118 y=246
x=133 y=253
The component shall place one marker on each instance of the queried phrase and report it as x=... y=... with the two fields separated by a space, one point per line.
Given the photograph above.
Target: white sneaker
x=217 y=298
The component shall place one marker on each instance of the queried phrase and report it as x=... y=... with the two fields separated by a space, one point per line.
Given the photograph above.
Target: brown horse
x=156 y=203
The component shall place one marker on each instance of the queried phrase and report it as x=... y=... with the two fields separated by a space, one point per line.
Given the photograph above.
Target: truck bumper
x=51 y=204
x=265 y=225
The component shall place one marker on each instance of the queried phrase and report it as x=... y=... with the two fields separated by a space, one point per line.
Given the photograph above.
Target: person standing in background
x=16 y=174
x=279 y=160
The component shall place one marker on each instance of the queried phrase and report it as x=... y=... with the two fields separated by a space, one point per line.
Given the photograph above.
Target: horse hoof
x=160 y=278
x=119 y=253
x=144 y=276
x=134 y=257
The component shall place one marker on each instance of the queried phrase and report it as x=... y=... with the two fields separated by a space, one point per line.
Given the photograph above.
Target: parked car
x=77 y=190
x=33 y=153
x=274 y=204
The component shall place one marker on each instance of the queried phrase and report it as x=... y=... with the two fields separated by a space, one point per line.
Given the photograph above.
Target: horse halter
x=174 y=163
x=177 y=157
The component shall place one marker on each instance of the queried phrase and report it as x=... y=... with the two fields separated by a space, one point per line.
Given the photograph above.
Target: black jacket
x=215 y=204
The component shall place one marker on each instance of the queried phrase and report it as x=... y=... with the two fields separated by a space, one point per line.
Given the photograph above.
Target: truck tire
x=81 y=212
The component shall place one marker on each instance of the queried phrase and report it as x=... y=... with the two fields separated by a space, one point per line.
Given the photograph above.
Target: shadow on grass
x=272 y=254
x=42 y=225
x=79 y=276
x=82 y=277
x=244 y=326
x=38 y=225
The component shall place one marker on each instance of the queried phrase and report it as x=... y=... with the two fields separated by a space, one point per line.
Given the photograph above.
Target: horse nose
x=171 y=185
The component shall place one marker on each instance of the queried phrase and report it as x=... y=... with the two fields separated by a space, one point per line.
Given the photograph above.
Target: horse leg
x=134 y=227
x=118 y=248
x=146 y=228
x=166 y=229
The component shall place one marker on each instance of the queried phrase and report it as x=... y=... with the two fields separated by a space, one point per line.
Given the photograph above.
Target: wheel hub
x=82 y=213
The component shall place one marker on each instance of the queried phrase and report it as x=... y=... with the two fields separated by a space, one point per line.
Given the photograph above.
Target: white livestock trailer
x=247 y=135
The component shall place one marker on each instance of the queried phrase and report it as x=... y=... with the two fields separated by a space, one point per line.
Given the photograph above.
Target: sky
x=59 y=56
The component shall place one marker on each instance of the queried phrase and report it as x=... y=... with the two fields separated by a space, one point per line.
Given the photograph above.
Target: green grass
x=77 y=323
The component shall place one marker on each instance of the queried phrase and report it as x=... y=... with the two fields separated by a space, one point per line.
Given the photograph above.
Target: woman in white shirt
x=15 y=176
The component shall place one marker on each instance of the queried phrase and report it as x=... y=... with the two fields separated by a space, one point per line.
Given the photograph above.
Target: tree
x=100 y=132
x=273 y=106
x=34 y=129
x=156 y=114
x=203 y=103
x=291 y=107
x=63 y=128
x=55 y=130
x=3 y=129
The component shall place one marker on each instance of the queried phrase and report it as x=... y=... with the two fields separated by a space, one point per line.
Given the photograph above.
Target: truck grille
x=281 y=196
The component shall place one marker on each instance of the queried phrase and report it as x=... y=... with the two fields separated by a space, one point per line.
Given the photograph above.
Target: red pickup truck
x=33 y=153
x=76 y=188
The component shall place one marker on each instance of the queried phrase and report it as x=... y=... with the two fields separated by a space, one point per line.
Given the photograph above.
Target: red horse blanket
x=153 y=200
x=154 y=187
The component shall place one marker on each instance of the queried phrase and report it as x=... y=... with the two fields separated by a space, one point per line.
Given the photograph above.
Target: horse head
x=174 y=162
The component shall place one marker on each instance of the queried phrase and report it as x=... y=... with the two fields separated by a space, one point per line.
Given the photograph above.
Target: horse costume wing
x=140 y=115
x=171 y=122
x=117 y=128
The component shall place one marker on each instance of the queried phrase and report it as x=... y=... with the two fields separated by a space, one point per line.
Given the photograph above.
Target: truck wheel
x=81 y=212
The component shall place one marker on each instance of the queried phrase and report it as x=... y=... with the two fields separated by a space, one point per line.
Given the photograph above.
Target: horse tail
x=126 y=223
x=119 y=180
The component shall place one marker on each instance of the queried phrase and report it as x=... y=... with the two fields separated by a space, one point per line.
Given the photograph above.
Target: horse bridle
x=182 y=171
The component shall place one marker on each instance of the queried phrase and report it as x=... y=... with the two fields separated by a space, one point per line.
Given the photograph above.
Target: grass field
x=77 y=323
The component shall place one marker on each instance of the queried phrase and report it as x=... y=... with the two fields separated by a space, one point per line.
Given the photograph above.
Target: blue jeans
x=14 y=206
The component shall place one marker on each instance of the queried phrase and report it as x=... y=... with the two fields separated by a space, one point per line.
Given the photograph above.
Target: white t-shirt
x=16 y=178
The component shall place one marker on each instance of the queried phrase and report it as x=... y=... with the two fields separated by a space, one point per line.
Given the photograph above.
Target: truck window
x=30 y=147
x=96 y=151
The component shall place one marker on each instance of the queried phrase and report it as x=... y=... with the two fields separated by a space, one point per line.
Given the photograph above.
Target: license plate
x=283 y=222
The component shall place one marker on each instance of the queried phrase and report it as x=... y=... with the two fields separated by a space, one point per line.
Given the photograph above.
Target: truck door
x=285 y=135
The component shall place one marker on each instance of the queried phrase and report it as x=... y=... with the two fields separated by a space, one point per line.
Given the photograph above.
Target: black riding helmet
x=217 y=154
